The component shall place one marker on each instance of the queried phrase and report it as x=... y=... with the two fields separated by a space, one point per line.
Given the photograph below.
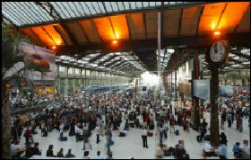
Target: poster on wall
x=202 y=89
x=41 y=60
x=185 y=88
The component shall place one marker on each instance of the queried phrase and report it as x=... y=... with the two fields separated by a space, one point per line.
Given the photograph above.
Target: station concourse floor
x=131 y=145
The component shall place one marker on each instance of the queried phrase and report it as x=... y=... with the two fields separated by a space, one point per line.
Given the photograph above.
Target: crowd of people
x=106 y=112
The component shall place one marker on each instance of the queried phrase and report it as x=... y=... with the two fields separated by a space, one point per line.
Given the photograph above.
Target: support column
x=214 y=123
x=66 y=80
x=171 y=83
x=195 y=75
x=175 y=87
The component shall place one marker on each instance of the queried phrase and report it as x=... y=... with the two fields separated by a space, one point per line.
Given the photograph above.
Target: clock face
x=218 y=51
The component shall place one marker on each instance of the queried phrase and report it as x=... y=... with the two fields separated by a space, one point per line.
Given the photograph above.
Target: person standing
x=229 y=119
x=97 y=129
x=144 y=137
x=77 y=132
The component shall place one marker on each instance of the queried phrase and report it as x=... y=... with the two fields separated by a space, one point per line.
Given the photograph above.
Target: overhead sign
x=202 y=89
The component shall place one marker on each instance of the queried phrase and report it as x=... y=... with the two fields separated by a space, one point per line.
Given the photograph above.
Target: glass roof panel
x=68 y=9
x=133 y=5
x=145 y=4
x=114 y=6
x=152 y=4
x=108 y=7
x=121 y=6
x=126 y=5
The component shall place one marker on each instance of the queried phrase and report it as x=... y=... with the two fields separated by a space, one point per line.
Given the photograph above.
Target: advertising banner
x=42 y=62
x=185 y=88
x=202 y=89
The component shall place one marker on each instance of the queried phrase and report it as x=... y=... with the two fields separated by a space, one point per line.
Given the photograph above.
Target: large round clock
x=218 y=51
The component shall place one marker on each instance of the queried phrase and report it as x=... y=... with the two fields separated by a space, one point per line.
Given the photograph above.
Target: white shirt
x=144 y=132
x=208 y=147
x=97 y=129
x=246 y=149
x=77 y=129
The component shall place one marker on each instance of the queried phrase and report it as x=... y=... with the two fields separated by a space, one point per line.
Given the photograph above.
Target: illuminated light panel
x=117 y=35
x=58 y=42
x=114 y=42
x=216 y=33
x=213 y=26
x=54 y=47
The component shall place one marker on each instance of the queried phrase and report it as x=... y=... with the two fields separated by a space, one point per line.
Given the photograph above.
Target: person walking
x=172 y=123
x=144 y=137
x=229 y=119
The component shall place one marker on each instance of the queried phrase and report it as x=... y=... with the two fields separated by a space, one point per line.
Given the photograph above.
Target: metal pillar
x=195 y=75
x=175 y=89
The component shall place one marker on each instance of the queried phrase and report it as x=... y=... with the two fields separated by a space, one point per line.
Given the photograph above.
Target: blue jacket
x=236 y=148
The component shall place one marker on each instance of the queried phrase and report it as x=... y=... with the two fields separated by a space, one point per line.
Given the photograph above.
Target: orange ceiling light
x=58 y=42
x=213 y=26
x=116 y=35
x=216 y=33
x=114 y=42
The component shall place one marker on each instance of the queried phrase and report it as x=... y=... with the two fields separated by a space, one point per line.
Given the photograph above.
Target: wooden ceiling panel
x=171 y=22
x=63 y=34
x=152 y=24
x=90 y=31
x=104 y=29
x=120 y=27
x=137 y=27
x=43 y=35
x=210 y=17
x=28 y=32
x=245 y=22
x=77 y=31
x=232 y=16
x=54 y=35
x=190 y=18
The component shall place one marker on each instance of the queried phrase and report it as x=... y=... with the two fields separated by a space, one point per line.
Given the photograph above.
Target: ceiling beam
x=96 y=30
x=198 y=23
x=238 y=53
x=109 y=18
x=111 y=63
x=117 y=65
x=96 y=58
x=125 y=46
x=107 y=60
x=180 y=22
x=128 y=26
x=83 y=30
x=144 y=21
x=223 y=10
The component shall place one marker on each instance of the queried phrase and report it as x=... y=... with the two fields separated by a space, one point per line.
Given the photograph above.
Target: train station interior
x=173 y=75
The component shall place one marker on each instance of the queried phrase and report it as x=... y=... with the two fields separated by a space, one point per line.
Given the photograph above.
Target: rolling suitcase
x=207 y=138
x=63 y=138
x=149 y=134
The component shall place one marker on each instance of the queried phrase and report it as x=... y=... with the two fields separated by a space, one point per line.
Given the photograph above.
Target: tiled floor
x=131 y=145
